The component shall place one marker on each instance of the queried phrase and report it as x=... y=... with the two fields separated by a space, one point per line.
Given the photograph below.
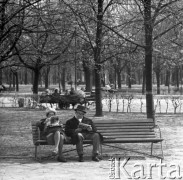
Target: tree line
x=136 y=36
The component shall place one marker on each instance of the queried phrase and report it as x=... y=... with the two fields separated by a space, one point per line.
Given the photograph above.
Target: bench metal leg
x=151 y=148
x=131 y=150
x=35 y=152
x=74 y=149
x=101 y=149
x=161 y=147
x=162 y=150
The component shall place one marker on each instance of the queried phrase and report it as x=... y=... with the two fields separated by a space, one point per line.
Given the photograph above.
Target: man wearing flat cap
x=80 y=128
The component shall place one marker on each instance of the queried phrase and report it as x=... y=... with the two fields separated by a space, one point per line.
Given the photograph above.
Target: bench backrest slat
x=124 y=124
x=125 y=130
x=127 y=133
x=35 y=132
x=130 y=136
x=125 y=127
x=116 y=130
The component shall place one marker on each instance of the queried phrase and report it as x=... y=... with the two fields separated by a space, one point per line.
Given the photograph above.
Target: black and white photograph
x=91 y=89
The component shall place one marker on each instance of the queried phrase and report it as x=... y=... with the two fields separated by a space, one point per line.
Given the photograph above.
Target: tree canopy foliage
x=133 y=37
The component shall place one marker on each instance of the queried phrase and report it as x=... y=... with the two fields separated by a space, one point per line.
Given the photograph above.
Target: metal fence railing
x=112 y=102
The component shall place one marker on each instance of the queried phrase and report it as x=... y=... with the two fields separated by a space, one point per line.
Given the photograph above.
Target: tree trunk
x=10 y=78
x=167 y=80
x=181 y=79
x=158 y=80
x=1 y=76
x=129 y=77
x=16 y=81
x=144 y=80
x=47 y=77
x=36 y=80
x=177 y=76
x=63 y=79
x=26 y=78
x=32 y=76
x=111 y=76
x=59 y=79
x=98 y=94
x=148 y=58
x=88 y=78
x=139 y=75
x=97 y=58
x=115 y=76
x=119 y=78
x=55 y=77
x=118 y=72
x=88 y=74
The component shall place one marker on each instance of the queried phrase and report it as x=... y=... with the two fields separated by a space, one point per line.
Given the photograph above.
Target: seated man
x=2 y=88
x=45 y=93
x=78 y=132
x=56 y=92
x=72 y=91
x=81 y=92
x=55 y=97
x=54 y=136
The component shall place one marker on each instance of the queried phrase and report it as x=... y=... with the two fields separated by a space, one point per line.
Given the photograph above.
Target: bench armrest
x=159 y=130
x=39 y=133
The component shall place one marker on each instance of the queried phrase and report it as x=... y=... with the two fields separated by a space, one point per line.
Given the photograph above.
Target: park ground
x=17 y=150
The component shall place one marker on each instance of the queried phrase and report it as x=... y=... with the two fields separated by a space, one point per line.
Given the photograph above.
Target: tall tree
x=42 y=45
x=148 y=26
x=144 y=17
x=12 y=15
x=97 y=59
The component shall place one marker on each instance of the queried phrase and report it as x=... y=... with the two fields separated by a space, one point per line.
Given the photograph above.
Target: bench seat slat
x=129 y=136
x=125 y=123
x=125 y=130
x=112 y=140
x=125 y=127
x=121 y=121
x=132 y=140
x=128 y=133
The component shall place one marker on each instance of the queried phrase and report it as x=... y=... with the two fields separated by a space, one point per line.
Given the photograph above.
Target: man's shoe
x=54 y=153
x=61 y=159
x=95 y=158
x=81 y=159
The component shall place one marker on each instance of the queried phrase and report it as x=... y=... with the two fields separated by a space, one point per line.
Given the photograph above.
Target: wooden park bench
x=90 y=98
x=43 y=89
x=6 y=89
x=117 y=132
x=63 y=101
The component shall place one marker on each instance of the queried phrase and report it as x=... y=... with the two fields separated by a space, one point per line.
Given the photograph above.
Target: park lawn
x=16 y=137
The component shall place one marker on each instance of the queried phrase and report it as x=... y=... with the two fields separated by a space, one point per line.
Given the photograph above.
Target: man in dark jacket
x=80 y=128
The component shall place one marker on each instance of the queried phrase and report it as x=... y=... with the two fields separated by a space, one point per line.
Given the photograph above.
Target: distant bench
x=4 y=88
x=90 y=97
x=116 y=132
x=63 y=101
x=42 y=89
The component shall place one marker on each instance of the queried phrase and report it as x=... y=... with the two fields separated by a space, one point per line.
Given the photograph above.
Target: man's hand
x=78 y=130
x=89 y=128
